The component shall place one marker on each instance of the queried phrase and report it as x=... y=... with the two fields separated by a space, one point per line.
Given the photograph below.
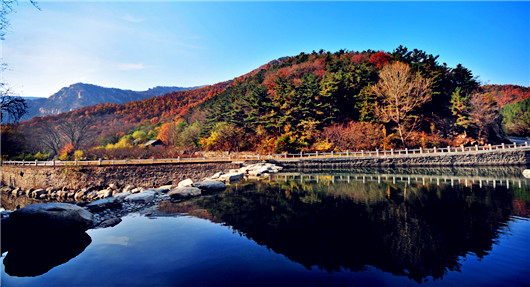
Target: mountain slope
x=507 y=94
x=81 y=95
x=317 y=101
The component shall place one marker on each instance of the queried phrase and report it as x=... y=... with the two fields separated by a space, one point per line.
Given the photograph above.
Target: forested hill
x=317 y=101
x=507 y=94
x=81 y=95
x=106 y=123
x=352 y=100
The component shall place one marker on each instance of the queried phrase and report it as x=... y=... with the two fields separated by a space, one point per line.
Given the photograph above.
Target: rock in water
x=144 y=196
x=185 y=183
x=183 y=192
x=232 y=176
x=209 y=185
x=51 y=216
x=103 y=204
x=217 y=175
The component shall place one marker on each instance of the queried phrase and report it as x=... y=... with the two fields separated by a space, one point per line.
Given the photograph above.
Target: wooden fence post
x=421 y=150
x=377 y=152
x=489 y=146
x=362 y=153
x=434 y=149
x=391 y=151
x=99 y=162
x=476 y=147
x=331 y=153
x=448 y=148
x=502 y=144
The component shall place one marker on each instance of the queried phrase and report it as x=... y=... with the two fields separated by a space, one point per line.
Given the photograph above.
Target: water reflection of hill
x=410 y=230
x=500 y=172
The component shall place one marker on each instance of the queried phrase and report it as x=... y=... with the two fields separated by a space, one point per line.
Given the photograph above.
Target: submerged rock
x=109 y=222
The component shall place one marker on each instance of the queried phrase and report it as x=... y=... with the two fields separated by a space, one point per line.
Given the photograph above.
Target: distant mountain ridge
x=81 y=95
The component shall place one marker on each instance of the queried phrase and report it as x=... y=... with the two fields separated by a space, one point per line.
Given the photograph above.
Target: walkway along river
x=156 y=172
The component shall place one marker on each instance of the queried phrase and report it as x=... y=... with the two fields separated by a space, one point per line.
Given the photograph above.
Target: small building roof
x=153 y=143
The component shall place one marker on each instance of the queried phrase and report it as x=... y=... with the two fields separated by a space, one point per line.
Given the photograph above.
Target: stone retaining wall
x=77 y=177
x=478 y=158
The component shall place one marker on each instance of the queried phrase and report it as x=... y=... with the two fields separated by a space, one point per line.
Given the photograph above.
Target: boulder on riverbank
x=230 y=177
x=184 y=192
x=185 y=183
x=209 y=185
x=102 y=204
x=51 y=216
x=144 y=196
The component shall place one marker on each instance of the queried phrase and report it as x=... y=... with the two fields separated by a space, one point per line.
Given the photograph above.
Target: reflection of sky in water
x=182 y=250
x=117 y=240
x=186 y=251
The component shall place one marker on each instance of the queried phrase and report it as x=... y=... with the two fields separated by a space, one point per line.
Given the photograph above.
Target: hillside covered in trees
x=318 y=101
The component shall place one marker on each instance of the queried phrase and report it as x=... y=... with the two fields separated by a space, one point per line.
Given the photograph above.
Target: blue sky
x=137 y=45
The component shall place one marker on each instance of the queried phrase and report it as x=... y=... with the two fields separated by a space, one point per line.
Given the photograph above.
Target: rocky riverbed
x=111 y=203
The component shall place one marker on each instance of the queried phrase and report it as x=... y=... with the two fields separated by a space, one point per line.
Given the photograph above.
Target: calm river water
x=409 y=227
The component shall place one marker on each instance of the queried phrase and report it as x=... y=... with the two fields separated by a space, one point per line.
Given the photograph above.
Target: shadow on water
x=408 y=228
x=36 y=257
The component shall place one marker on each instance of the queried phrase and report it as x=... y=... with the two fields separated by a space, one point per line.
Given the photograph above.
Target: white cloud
x=130 y=18
x=131 y=66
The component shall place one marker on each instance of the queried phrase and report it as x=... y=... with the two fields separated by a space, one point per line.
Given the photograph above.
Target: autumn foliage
x=319 y=101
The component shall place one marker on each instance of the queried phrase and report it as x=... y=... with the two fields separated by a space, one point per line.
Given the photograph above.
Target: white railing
x=121 y=161
x=280 y=157
x=396 y=153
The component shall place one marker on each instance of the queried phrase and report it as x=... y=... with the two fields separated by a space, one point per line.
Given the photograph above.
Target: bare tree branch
x=75 y=130
x=50 y=139
x=400 y=92
x=12 y=107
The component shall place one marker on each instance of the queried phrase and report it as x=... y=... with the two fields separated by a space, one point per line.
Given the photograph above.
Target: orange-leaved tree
x=399 y=93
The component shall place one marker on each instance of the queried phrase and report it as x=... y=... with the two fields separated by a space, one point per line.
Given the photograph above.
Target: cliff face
x=81 y=95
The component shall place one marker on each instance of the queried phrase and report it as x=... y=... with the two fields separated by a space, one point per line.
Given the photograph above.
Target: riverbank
x=79 y=177
x=114 y=201
x=456 y=159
